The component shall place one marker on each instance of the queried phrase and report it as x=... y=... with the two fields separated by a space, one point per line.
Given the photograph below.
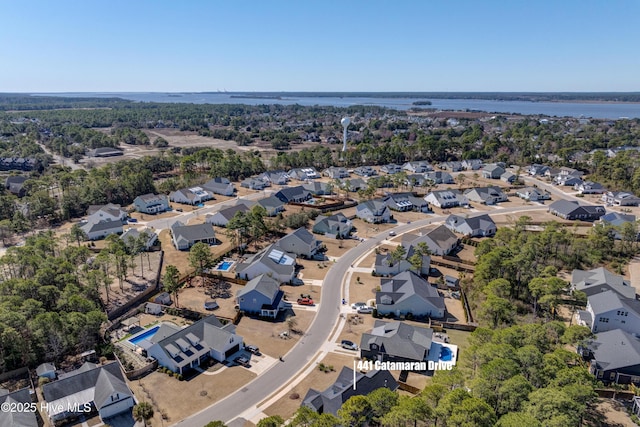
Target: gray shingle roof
x=194 y=232
x=263 y=284
x=17 y=418
x=405 y=285
x=399 y=339
x=600 y=280
x=615 y=349
x=610 y=300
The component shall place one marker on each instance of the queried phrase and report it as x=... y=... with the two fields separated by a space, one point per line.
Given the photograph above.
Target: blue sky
x=319 y=45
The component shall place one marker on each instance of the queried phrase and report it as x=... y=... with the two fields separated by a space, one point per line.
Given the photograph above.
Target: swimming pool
x=446 y=354
x=225 y=265
x=135 y=340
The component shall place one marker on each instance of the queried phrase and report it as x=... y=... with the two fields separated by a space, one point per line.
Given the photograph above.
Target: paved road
x=325 y=320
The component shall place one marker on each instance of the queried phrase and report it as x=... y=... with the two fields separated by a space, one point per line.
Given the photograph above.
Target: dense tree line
x=49 y=305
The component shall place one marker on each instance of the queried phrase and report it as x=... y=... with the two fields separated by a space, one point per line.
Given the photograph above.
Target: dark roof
x=399 y=339
x=615 y=350
x=406 y=284
x=568 y=207
x=14 y=418
x=332 y=398
x=601 y=280
x=291 y=193
x=231 y=211
x=194 y=232
x=262 y=284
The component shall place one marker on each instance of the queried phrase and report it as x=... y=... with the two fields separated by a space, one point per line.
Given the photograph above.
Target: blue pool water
x=446 y=354
x=144 y=335
x=225 y=265
x=201 y=205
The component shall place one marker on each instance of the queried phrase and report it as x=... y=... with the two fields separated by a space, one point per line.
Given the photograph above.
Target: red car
x=305 y=301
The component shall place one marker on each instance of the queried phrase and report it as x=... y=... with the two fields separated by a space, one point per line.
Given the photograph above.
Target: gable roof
x=617 y=219
x=611 y=300
x=15 y=418
x=290 y=193
x=332 y=398
x=480 y=222
x=193 y=232
x=615 y=349
x=231 y=211
x=274 y=257
x=568 y=207
x=399 y=339
x=601 y=279
x=262 y=284
x=405 y=285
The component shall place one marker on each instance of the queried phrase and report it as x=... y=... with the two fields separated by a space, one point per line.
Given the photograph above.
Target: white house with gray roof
x=439 y=177
x=273 y=261
x=100 y=229
x=255 y=184
x=151 y=203
x=336 y=172
x=396 y=342
x=618 y=221
x=103 y=387
x=620 y=198
x=271 y=204
x=486 y=195
x=438 y=238
x=220 y=185
x=261 y=296
x=182 y=349
x=609 y=310
x=365 y=171
x=599 y=280
x=417 y=167
x=275 y=177
x=131 y=235
x=590 y=187
x=223 y=216
x=191 y=196
x=475 y=226
x=391 y=169
x=373 y=211
x=108 y=212
x=318 y=188
x=336 y=225
x=303 y=174
x=300 y=242
x=185 y=236
x=472 y=164
x=492 y=171
x=533 y=194
x=446 y=199
x=407 y=293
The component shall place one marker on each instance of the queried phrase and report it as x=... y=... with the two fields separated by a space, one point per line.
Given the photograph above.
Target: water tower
x=345 y=122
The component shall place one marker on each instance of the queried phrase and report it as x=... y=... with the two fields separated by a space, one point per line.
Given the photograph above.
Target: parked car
x=348 y=345
x=305 y=301
x=243 y=361
x=358 y=305
x=133 y=220
x=253 y=349
x=365 y=310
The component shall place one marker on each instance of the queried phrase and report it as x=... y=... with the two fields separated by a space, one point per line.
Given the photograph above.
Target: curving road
x=304 y=351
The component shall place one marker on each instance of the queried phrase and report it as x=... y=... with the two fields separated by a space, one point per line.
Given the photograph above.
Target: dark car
x=348 y=345
x=243 y=361
x=253 y=349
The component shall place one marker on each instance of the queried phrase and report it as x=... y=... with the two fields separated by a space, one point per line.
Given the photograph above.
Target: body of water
x=598 y=110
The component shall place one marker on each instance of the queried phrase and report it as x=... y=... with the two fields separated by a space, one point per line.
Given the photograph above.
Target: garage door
x=232 y=350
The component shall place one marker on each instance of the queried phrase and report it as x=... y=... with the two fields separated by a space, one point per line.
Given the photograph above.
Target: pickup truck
x=305 y=301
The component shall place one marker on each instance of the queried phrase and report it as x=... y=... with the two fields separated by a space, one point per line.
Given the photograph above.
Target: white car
x=365 y=310
x=358 y=305
x=392 y=233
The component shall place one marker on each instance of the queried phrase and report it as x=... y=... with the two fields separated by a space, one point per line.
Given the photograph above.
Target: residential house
x=297 y=194
x=391 y=169
x=336 y=225
x=336 y=172
x=163 y=298
x=303 y=174
x=334 y=396
x=570 y=181
x=396 y=342
x=385 y=265
x=220 y=186
x=271 y=204
x=417 y=167
x=254 y=184
x=552 y=173
x=609 y=310
x=110 y=212
x=398 y=202
x=132 y=235
x=415 y=180
x=96 y=230
x=190 y=196
x=446 y=199
x=486 y=195
x=572 y=210
x=537 y=169
x=14 y=400
x=373 y=211
x=475 y=226
x=223 y=216
x=533 y=194
x=185 y=236
x=151 y=203
x=261 y=296
x=508 y=177
x=318 y=188
x=618 y=221
x=492 y=171
x=408 y=293
x=15 y=185
x=453 y=166
x=365 y=171
x=614 y=357
x=102 y=387
x=354 y=184
x=439 y=177
x=300 y=242
x=439 y=239
x=620 y=198
x=273 y=261
x=599 y=280
x=590 y=187
x=472 y=164
x=182 y=349
x=19 y=163
x=274 y=177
